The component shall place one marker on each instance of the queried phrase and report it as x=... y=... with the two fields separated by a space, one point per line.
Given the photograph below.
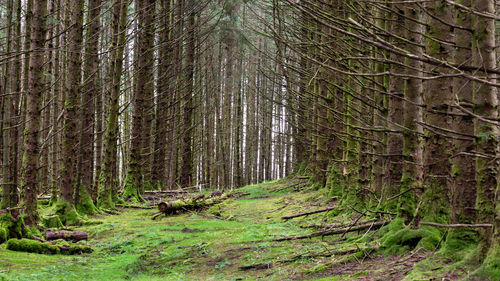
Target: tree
x=29 y=179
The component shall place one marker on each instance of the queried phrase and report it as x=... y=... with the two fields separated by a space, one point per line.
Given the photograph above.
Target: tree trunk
x=29 y=181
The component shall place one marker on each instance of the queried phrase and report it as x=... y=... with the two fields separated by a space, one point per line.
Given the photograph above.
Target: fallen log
x=371 y=225
x=308 y=213
x=34 y=246
x=74 y=236
x=190 y=204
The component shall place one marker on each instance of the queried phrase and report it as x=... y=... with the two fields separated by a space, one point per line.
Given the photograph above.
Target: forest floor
x=229 y=241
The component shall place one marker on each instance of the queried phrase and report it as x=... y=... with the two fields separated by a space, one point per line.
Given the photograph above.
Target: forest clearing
x=232 y=241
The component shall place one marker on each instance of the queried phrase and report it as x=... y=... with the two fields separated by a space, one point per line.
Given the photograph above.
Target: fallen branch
x=259 y=266
x=130 y=206
x=372 y=225
x=308 y=213
x=211 y=216
x=335 y=225
x=458 y=225
x=166 y=191
x=74 y=236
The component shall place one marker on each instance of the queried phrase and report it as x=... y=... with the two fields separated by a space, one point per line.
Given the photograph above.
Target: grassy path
x=131 y=246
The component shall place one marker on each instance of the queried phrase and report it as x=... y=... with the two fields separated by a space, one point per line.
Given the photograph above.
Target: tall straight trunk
x=164 y=90
x=412 y=175
x=7 y=120
x=15 y=110
x=140 y=143
x=187 y=137
x=229 y=40
x=463 y=185
x=71 y=107
x=250 y=138
x=56 y=105
x=48 y=104
x=47 y=97
x=395 y=113
x=379 y=116
x=485 y=104
x=107 y=186
x=90 y=91
x=437 y=98
x=26 y=69
x=238 y=119
x=29 y=181
x=146 y=73
x=218 y=119
x=210 y=119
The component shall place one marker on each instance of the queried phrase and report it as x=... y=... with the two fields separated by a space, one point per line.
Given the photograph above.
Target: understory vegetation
x=233 y=240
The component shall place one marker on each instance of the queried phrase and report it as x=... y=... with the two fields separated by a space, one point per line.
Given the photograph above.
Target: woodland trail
x=229 y=241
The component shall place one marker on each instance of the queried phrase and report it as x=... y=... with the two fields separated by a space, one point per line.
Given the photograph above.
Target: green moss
x=33 y=246
x=67 y=213
x=52 y=221
x=3 y=235
x=13 y=227
x=455 y=170
x=400 y=241
x=491 y=265
x=104 y=199
x=457 y=242
x=86 y=205
x=131 y=191
x=32 y=231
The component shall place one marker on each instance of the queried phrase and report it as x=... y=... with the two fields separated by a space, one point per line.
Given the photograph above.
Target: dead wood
x=371 y=225
x=190 y=204
x=308 y=213
x=74 y=236
x=486 y=225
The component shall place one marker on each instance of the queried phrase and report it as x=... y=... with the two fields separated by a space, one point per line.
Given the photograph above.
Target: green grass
x=131 y=246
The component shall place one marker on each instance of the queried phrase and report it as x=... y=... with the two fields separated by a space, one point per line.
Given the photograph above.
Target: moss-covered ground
x=229 y=241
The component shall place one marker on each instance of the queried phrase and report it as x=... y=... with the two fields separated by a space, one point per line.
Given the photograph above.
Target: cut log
x=74 y=236
x=190 y=204
x=372 y=225
x=308 y=213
